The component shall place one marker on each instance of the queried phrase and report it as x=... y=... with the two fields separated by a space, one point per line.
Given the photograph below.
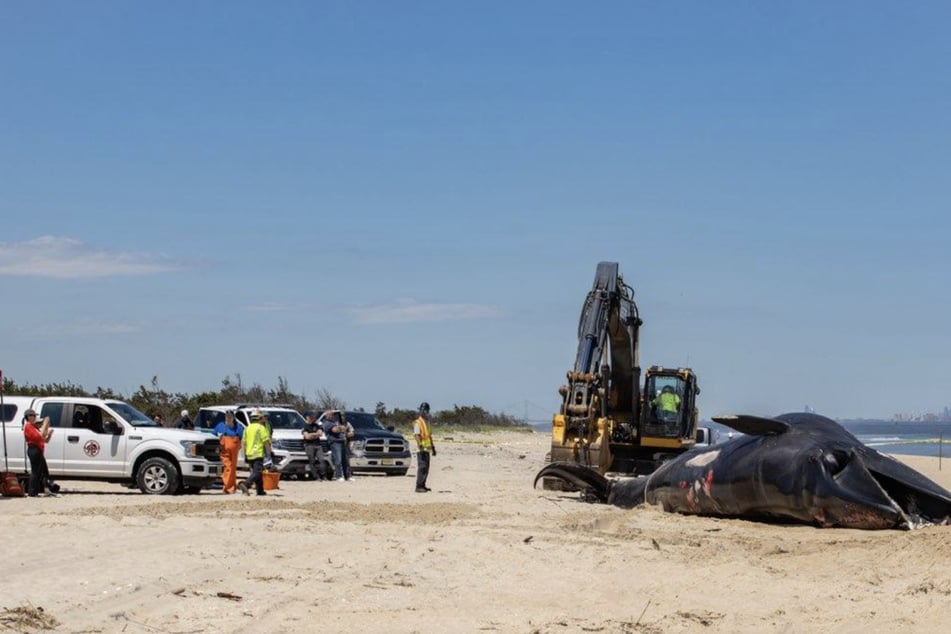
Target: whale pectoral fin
x=753 y=425
x=580 y=476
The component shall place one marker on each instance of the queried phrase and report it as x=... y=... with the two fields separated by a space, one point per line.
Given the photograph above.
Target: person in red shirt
x=37 y=433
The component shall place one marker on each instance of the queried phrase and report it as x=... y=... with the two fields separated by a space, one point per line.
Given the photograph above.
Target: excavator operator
x=667 y=404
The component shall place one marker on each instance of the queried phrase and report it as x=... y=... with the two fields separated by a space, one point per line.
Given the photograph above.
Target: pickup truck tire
x=157 y=476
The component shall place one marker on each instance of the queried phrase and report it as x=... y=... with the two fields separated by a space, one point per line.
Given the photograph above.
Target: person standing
x=37 y=434
x=316 y=447
x=340 y=432
x=424 y=447
x=185 y=422
x=257 y=445
x=325 y=463
x=229 y=434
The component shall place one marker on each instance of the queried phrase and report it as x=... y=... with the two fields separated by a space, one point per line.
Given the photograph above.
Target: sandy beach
x=483 y=552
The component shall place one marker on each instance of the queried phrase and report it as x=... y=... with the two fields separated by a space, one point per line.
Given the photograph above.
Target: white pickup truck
x=706 y=436
x=109 y=440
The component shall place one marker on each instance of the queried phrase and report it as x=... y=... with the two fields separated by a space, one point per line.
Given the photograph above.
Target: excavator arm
x=603 y=385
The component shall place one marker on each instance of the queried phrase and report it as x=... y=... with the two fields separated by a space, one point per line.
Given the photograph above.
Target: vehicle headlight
x=357 y=447
x=191 y=447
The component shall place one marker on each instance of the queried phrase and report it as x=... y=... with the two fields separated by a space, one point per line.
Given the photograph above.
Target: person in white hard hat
x=185 y=422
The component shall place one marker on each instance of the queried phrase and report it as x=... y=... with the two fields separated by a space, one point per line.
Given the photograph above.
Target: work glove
x=434 y=451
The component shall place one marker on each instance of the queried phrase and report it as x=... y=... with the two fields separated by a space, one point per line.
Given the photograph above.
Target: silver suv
x=287 y=443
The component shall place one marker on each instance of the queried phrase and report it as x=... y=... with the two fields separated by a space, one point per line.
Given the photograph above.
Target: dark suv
x=374 y=448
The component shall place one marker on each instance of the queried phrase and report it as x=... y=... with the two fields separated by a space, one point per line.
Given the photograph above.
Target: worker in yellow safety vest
x=424 y=447
x=257 y=450
x=667 y=403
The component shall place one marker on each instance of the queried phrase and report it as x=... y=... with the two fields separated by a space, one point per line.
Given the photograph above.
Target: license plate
x=386 y=461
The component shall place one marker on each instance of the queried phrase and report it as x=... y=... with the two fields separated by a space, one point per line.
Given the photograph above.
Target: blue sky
x=407 y=201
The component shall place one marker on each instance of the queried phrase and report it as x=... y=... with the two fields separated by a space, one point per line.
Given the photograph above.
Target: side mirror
x=390 y=428
x=112 y=427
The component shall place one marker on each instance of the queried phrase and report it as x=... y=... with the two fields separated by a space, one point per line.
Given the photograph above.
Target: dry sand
x=483 y=552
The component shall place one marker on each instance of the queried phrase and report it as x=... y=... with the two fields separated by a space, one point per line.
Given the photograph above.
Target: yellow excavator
x=608 y=421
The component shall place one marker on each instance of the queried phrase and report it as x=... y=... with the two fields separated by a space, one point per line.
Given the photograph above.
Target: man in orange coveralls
x=229 y=434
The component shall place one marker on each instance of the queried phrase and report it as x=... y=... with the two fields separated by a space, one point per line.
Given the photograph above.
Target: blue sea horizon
x=916 y=439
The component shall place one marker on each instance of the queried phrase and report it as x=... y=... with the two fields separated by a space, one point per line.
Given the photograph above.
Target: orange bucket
x=271 y=480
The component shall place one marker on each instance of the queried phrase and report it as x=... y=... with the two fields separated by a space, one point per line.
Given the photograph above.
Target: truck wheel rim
x=156 y=479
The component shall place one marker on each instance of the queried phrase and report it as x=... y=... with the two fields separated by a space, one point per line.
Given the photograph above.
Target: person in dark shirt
x=317 y=446
x=185 y=422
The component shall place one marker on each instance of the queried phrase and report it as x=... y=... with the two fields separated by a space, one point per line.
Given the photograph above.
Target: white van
x=109 y=440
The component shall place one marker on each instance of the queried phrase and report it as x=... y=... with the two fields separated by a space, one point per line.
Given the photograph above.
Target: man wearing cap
x=424 y=447
x=185 y=422
x=257 y=445
x=317 y=448
x=36 y=433
x=229 y=434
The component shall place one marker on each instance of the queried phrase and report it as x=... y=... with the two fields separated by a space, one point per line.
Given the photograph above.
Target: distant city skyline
x=941 y=417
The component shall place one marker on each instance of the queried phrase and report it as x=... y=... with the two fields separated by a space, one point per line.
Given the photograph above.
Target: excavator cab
x=665 y=414
x=668 y=419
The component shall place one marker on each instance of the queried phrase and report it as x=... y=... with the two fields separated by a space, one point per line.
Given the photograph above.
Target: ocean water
x=917 y=439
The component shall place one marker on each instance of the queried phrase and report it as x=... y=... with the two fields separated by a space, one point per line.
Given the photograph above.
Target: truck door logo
x=91 y=449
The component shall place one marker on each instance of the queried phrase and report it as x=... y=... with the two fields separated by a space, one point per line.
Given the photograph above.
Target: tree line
x=153 y=399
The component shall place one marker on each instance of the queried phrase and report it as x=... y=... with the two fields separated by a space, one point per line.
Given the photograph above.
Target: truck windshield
x=364 y=420
x=133 y=416
x=285 y=419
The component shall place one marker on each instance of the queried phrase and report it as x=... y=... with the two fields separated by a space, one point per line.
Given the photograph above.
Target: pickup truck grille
x=210 y=450
x=386 y=446
x=293 y=445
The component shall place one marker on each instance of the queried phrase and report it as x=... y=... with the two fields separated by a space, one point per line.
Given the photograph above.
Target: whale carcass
x=798 y=467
